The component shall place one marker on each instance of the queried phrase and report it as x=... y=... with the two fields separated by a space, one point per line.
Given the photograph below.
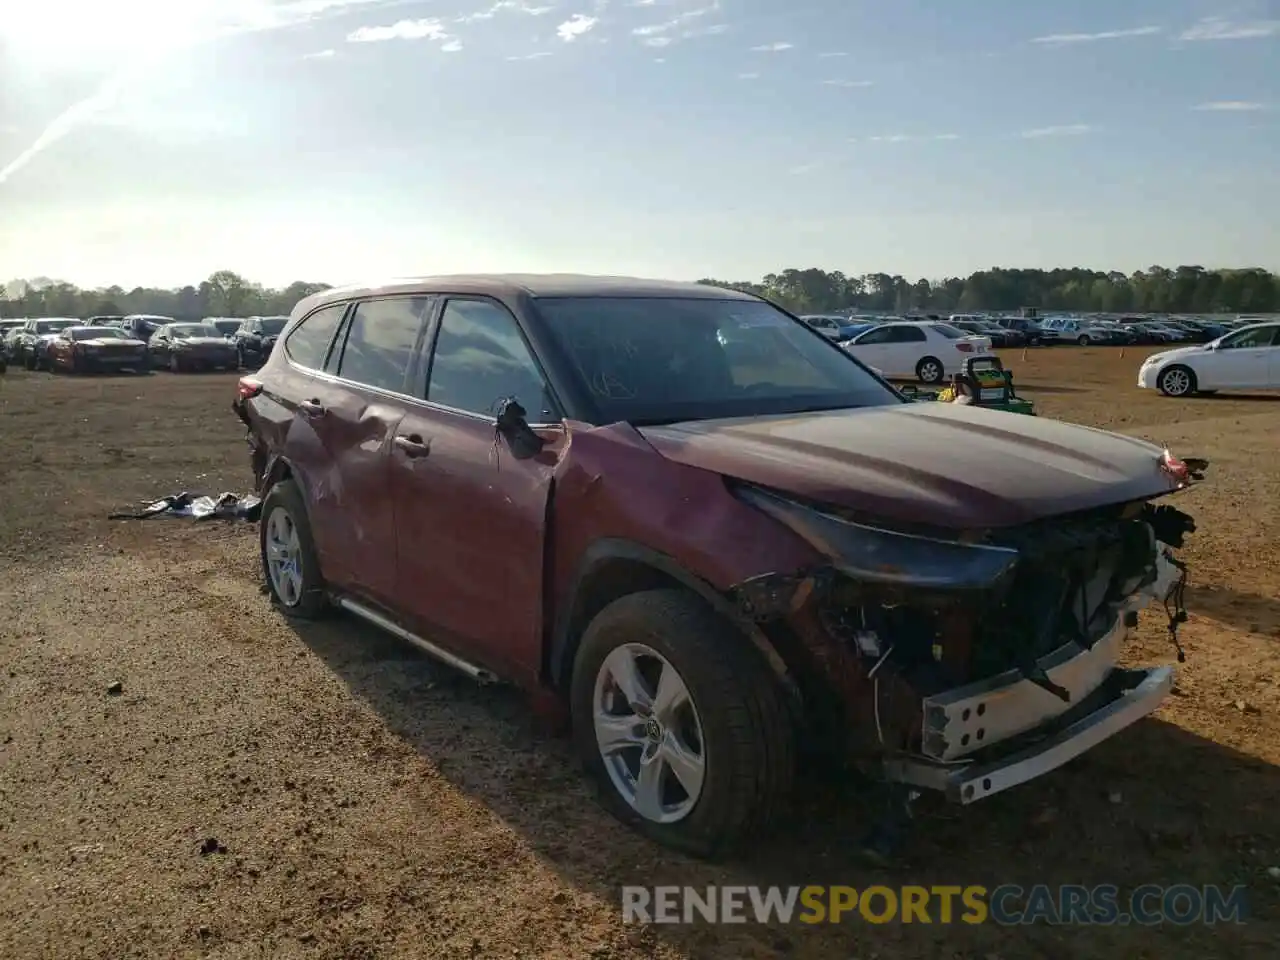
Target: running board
x=479 y=674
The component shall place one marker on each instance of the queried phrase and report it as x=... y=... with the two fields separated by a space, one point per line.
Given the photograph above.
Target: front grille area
x=1072 y=573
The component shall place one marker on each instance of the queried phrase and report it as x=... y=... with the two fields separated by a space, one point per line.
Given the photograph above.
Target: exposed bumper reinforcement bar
x=1132 y=695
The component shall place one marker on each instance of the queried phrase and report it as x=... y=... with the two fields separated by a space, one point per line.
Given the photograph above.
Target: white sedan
x=928 y=351
x=1245 y=359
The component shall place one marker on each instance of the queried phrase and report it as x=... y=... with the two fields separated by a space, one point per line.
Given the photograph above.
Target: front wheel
x=929 y=370
x=680 y=721
x=1083 y=341
x=1177 y=381
x=175 y=365
x=289 y=558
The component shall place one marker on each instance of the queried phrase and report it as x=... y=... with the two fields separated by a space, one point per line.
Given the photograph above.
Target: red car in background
x=96 y=349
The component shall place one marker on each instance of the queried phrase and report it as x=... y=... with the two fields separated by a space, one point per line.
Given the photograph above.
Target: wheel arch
x=614 y=567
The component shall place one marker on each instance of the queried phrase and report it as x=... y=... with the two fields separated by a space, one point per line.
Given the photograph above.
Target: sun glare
x=76 y=28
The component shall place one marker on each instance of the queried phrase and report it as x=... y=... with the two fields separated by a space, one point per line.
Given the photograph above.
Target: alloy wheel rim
x=649 y=733
x=1176 y=382
x=284 y=557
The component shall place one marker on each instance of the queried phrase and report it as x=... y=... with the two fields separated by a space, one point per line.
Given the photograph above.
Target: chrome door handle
x=413 y=446
x=312 y=408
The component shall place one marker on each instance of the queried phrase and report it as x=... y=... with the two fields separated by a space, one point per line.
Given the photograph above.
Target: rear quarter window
x=308 y=344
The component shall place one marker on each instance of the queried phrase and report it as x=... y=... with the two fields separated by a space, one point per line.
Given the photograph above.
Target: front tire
x=175 y=365
x=930 y=370
x=289 y=560
x=1177 y=381
x=1083 y=341
x=681 y=723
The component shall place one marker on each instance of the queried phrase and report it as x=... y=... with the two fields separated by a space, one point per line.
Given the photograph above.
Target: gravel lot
x=259 y=790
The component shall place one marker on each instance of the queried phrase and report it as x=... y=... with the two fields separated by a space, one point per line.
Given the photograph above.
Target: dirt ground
x=353 y=800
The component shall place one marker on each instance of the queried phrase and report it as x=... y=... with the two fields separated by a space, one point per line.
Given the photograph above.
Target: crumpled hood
x=941 y=464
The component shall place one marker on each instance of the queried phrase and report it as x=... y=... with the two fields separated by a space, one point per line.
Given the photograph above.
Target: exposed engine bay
x=971 y=664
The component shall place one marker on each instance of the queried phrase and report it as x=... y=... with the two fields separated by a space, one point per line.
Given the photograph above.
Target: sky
x=151 y=142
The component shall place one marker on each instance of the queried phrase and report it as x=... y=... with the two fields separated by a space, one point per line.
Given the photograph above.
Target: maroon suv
x=712 y=535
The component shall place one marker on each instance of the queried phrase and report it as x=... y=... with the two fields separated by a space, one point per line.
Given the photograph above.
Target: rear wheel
x=289 y=558
x=681 y=723
x=929 y=370
x=1177 y=381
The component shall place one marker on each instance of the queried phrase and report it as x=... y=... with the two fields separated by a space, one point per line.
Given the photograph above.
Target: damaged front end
x=969 y=665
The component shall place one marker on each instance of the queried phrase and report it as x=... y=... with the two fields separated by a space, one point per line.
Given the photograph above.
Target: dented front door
x=470 y=515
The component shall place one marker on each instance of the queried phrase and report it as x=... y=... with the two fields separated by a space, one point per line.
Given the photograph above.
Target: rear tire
x=745 y=740
x=930 y=370
x=288 y=553
x=1083 y=341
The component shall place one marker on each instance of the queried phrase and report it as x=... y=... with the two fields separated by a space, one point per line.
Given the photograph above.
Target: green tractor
x=983 y=382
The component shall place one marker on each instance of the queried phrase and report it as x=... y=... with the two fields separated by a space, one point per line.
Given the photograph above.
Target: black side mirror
x=514 y=428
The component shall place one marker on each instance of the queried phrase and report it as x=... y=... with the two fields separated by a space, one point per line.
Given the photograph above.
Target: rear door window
x=382 y=341
x=308 y=343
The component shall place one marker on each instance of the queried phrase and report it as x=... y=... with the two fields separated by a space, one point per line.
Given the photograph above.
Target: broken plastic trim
x=872 y=555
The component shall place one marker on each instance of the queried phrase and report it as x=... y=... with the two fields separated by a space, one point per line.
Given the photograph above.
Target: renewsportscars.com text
x=1008 y=905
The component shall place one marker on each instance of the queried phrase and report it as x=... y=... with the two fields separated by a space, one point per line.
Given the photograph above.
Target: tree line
x=1154 y=290
x=224 y=294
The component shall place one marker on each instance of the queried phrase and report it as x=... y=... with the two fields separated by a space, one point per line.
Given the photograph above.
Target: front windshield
x=97 y=333
x=53 y=326
x=662 y=360
x=184 y=331
x=227 y=326
x=272 y=326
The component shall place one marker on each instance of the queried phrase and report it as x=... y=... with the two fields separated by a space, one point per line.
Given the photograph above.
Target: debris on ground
x=226 y=506
x=115 y=688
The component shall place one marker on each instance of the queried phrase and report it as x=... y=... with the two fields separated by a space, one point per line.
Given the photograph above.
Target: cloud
x=1231 y=106
x=1064 y=38
x=532 y=56
x=451 y=46
x=683 y=26
x=911 y=138
x=575 y=27
x=1069 y=130
x=1216 y=28
x=847 y=83
x=776 y=47
x=517 y=6
x=320 y=55
x=826 y=56
x=429 y=28
x=748 y=76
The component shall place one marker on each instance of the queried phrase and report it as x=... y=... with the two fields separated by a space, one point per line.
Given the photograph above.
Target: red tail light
x=964 y=347
x=247 y=388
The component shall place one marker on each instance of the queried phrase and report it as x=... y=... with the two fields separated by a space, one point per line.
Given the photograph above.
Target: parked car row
x=218 y=343
x=1007 y=332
